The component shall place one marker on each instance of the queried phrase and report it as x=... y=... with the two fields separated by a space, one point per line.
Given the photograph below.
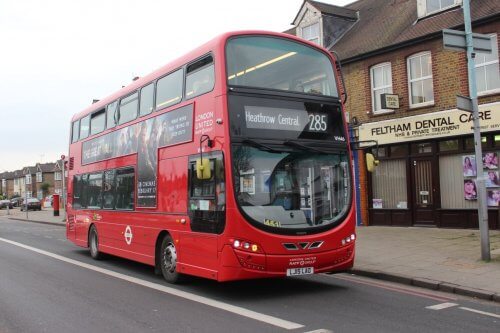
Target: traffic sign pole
x=482 y=208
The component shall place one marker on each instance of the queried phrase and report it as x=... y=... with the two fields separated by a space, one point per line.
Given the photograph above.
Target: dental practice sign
x=431 y=125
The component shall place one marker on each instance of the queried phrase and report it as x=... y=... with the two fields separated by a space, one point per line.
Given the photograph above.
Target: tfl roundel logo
x=128 y=235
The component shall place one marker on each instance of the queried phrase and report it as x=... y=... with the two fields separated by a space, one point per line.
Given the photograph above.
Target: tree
x=45 y=188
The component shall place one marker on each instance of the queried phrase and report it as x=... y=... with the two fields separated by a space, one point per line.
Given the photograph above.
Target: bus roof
x=211 y=45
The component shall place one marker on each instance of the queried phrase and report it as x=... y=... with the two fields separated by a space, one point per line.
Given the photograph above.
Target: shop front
x=428 y=172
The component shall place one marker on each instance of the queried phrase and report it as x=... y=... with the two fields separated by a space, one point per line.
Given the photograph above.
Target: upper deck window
x=76 y=131
x=169 y=90
x=200 y=77
x=111 y=114
x=275 y=63
x=97 y=122
x=128 y=108
x=147 y=95
x=84 y=127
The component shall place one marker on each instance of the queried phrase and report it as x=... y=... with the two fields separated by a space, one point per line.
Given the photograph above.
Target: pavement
x=441 y=259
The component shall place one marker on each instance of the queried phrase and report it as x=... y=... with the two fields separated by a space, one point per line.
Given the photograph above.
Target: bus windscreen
x=275 y=63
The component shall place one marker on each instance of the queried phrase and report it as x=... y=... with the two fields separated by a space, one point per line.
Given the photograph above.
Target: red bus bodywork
x=201 y=254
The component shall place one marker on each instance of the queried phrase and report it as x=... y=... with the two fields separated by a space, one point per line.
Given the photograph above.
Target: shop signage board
x=431 y=125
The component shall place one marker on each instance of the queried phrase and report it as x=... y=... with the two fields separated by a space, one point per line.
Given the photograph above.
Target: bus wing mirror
x=203 y=168
x=371 y=162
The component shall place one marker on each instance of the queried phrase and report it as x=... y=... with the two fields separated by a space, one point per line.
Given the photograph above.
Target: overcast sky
x=58 y=55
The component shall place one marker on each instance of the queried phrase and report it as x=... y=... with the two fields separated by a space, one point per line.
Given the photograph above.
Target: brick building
x=395 y=47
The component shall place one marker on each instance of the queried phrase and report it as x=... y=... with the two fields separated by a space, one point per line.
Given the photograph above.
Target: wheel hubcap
x=170 y=258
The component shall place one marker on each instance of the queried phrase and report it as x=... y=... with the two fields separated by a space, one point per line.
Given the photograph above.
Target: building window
x=381 y=83
x=487 y=71
x=57 y=176
x=311 y=33
x=429 y=7
x=28 y=179
x=39 y=194
x=432 y=6
x=449 y=145
x=58 y=191
x=420 y=84
x=39 y=177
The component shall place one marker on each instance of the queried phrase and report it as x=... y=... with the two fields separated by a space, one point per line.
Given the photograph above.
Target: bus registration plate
x=299 y=271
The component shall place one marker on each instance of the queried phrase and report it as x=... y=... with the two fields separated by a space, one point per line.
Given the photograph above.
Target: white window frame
x=411 y=80
x=57 y=175
x=423 y=11
x=28 y=179
x=312 y=39
x=39 y=177
x=383 y=87
x=494 y=36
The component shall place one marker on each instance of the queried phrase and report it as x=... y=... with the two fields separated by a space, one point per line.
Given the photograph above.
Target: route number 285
x=317 y=122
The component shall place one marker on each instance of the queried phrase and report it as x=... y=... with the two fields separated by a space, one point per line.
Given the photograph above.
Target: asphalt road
x=47 y=284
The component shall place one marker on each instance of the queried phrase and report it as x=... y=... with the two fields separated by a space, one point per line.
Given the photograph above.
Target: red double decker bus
x=232 y=162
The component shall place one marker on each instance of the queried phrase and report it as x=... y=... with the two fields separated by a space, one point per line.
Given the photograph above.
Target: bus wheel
x=168 y=260
x=94 y=243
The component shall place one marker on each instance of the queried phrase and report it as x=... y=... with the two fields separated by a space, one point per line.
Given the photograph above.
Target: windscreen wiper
x=304 y=147
x=260 y=146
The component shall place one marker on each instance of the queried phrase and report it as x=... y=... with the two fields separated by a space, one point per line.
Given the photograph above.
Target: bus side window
x=79 y=191
x=108 y=190
x=200 y=77
x=124 y=190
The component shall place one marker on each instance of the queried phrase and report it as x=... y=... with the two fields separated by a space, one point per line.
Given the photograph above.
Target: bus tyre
x=94 y=243
x=168 y=260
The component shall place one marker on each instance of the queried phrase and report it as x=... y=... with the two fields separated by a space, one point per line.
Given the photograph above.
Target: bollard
x=56 y=204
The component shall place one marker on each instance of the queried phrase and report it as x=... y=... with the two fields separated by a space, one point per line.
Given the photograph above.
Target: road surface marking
x=168 y=290
x=441 y=306
x=321 y=330
x=481 y=312
x=393 y=288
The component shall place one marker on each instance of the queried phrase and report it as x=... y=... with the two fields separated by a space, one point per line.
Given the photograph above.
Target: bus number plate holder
x=299 y=271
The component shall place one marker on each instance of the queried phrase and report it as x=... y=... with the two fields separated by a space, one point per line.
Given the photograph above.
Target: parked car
x=16 y=202
x=5 y=204
x=33 y=204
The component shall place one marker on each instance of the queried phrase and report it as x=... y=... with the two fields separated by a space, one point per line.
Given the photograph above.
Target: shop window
x=421 y=148
x=469 y=143
x=389 y=185
x=381 y=152
x=452 y=175
x=420 y=85
x=399 y=151
x=449 y=145
x=496 y=141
